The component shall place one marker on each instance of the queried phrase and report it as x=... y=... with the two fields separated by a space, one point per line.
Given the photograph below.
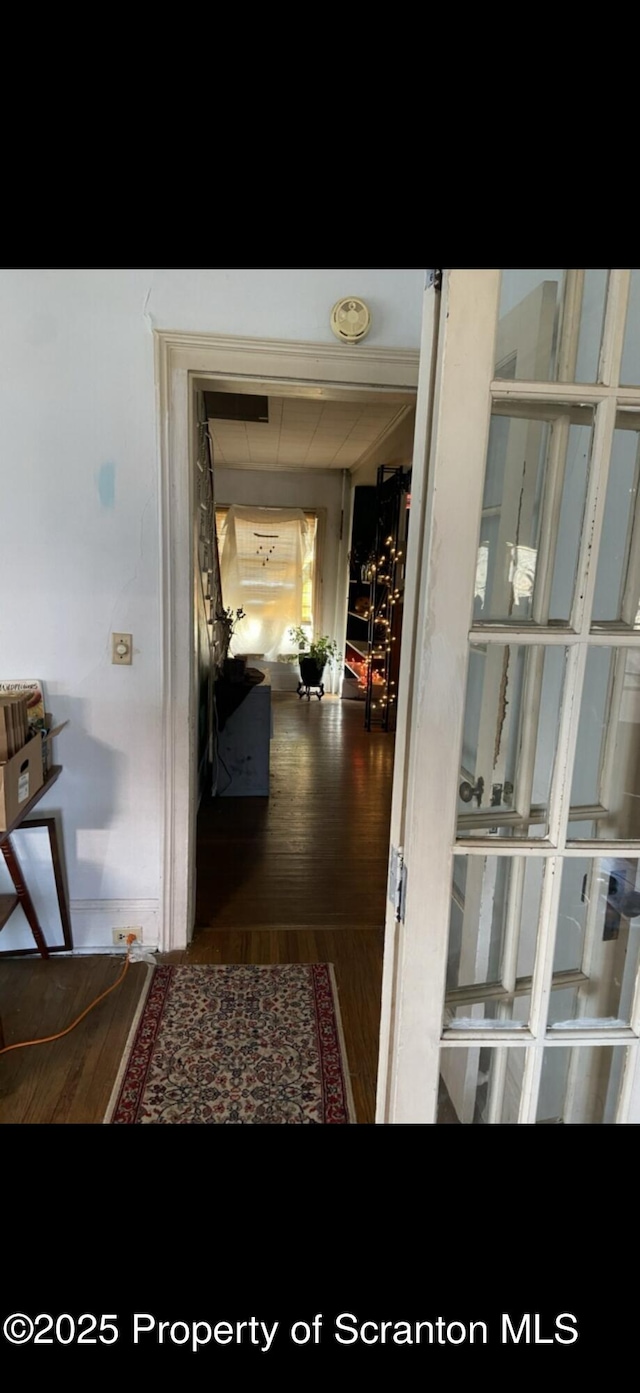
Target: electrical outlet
x=121 y=648
x=121 y=935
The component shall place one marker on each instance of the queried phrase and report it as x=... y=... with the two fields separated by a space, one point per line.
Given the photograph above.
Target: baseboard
x=93 y=921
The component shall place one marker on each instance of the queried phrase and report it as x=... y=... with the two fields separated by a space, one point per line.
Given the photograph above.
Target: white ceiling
x=304 y=434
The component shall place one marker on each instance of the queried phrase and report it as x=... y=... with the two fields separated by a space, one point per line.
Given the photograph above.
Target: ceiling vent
x=350 y=319
x=235 y=406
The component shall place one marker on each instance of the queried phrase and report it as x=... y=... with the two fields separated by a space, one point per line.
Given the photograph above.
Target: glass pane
x=580 y=1084
x=526 y=343
x=490 y=1008
x=630 y=368
x=591 y=324
x=617 y=592
x=512 y=712
x=598 y=939
x=606 y=775
x=537 y=340
x=575 y=473
x=495 y=905
x=526 y=460
x=484 y=1085
x=480 y=1085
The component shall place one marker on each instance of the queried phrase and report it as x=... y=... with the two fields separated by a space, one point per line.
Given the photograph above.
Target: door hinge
x=397 y=891
x=434 y=278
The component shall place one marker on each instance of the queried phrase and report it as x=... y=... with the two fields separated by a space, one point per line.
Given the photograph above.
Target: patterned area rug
x=236 y=1044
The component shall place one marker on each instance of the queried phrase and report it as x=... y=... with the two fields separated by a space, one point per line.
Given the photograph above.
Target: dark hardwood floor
x=296 y=877
x=314 y=854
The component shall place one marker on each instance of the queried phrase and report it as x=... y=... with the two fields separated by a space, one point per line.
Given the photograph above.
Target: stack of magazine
x=14 y=724
x=22 y=715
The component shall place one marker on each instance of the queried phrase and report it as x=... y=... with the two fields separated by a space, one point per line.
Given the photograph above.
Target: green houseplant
x=233 y=668
x=313 y=657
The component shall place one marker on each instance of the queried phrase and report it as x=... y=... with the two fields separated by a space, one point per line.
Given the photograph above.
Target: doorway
x=297 y=871
x=389 y=378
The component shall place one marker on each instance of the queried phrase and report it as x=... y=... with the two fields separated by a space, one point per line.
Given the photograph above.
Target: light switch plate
x=120 y=641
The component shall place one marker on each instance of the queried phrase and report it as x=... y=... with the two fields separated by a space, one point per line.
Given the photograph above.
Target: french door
x=511 y=968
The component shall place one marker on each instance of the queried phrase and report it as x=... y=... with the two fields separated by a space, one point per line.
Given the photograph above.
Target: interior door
x=515 y=991
x=507 y=552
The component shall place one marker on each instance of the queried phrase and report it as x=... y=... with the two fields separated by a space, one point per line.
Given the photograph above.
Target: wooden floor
x=298 y=877
x=314 y=854
x=68 y=1080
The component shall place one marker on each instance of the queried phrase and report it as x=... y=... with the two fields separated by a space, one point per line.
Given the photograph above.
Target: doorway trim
x=293 y=368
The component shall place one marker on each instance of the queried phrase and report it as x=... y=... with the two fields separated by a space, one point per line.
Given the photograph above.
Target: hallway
x=301 y=876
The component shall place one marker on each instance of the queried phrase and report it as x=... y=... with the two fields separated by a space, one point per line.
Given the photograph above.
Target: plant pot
x=235 y=669
x=311 y=674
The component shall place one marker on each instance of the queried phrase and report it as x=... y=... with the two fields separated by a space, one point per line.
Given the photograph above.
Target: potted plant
x=313 y=657
x=233 y=668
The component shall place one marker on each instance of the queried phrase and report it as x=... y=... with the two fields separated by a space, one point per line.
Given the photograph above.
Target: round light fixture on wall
x=350 y=319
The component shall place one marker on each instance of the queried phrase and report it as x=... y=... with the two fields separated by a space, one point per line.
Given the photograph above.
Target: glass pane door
x=544 y=935
x=517 y=981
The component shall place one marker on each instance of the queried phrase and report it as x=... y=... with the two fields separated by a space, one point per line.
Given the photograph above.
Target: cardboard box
x=20 y=778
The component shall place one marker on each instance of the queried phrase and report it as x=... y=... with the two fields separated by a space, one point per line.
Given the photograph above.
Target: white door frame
x=254 y=365
x=431 y=687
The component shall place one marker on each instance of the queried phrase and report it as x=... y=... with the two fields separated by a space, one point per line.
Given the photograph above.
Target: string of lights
x=385 y=573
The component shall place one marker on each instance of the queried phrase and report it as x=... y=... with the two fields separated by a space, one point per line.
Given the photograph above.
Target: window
x=267 y=564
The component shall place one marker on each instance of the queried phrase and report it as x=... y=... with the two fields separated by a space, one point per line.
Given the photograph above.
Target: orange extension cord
x=22 y=1044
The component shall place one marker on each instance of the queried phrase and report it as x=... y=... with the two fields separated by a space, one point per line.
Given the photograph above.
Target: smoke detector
x=350 y=319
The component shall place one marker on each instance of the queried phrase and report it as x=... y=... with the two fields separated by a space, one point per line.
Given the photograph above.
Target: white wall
x=281 y=304
x=79 y=519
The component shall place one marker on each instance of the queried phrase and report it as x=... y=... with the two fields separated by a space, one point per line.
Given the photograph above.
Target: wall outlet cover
x=121 y=935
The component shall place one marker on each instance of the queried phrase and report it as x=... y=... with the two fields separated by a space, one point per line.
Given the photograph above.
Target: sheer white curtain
x=262 y=558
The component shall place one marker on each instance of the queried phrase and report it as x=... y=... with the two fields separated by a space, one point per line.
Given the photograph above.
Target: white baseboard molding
x=93 y=921
x=92 y=924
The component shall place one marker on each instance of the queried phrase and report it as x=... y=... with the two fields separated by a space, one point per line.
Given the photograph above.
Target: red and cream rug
x=236 y=1044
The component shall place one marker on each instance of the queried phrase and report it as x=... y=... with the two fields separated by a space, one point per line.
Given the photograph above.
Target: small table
x=22 y=897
